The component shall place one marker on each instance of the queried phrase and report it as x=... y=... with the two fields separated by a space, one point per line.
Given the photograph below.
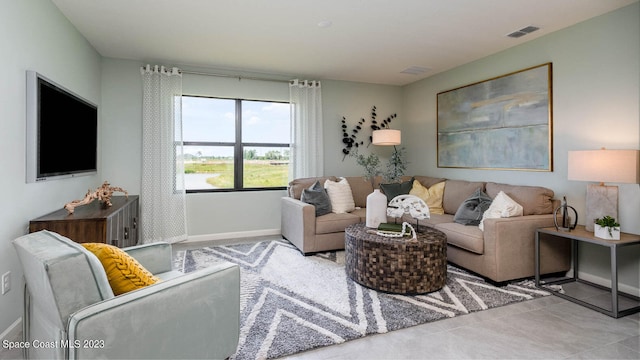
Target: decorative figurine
x=566 y=218
x=103 y=193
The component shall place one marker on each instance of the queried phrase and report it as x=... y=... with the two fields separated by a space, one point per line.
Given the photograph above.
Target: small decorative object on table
x=376 y=208
x=409 y=204
x=607 y=228
x=396 y=230
x=103 y=193
x=566 y=218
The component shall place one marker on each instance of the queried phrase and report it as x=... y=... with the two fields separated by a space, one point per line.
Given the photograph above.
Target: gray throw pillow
x=317 y=196
x=395 y=189
x=471 y=210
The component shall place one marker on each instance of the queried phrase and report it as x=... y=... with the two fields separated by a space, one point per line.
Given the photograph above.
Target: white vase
x=376 y=209
x=603 y=232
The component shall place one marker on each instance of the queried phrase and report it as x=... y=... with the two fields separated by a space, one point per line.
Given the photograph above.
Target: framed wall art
x=502 y=123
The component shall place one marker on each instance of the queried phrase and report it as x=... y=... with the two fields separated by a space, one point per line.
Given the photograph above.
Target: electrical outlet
x=6 y=282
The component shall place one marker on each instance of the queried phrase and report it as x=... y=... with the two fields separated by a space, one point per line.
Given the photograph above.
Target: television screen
x=61 y=129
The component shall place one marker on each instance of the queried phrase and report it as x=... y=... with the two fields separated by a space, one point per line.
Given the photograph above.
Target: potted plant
x=607 y=227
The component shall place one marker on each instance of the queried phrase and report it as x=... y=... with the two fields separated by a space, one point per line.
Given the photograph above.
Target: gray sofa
x=503 y=251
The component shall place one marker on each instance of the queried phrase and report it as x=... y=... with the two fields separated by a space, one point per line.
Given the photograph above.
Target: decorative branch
x=103 y=193
x=350 y=138
x=350 y=141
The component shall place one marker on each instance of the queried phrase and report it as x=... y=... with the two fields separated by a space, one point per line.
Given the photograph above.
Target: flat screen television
x=62 y=131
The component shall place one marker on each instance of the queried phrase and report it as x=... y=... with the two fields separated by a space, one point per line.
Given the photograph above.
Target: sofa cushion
x=317 y=196
x=394 y=189
x=457 y=191
x=297 y=185
x=340 y=196
x=471 y=210
x=434 y=220
x=361 y=213
x=466 y=237
x=502 y=206
x=123 y=271
x=430 y=195
x=360 y=189
x=535 y=200
x=332 y=223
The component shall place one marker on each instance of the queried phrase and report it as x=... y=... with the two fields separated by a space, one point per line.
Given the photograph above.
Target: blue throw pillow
x=317 y=196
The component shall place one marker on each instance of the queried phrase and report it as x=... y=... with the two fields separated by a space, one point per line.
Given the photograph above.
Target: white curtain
x=307 y=158
x=163 y=200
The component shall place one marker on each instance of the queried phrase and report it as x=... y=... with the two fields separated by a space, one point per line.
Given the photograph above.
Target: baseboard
x=232 y=235
x=13 y=331
x=606 y=282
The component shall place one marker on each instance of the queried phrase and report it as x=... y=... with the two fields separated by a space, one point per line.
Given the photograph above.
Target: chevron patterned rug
x=292 y=303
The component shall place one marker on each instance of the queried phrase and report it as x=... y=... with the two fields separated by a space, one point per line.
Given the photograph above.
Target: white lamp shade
x=386 y=137
x=612 y=166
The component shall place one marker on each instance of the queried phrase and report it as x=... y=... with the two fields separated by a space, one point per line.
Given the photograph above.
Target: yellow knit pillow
x=432 y=196
x=123 y=272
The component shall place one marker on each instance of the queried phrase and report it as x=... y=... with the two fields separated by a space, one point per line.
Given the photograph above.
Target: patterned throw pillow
x=123 y=272
x=340 y=196
x=471 y=210
x=432 y=196
x=317 y=196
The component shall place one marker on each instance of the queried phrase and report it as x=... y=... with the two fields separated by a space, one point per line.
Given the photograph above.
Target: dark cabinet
x=116 y=225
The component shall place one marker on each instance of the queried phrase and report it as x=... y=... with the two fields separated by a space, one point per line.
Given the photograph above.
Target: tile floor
x=545 y=328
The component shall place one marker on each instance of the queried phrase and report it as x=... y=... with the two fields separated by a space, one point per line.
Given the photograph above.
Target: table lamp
x=612 y=166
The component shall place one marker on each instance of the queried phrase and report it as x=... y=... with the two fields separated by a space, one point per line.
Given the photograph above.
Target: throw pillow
x=394 y=189
x=317 y=196
x=501 y=207
x=340 y=196
x=123 y=272
x=471 y=210
x=432 y=196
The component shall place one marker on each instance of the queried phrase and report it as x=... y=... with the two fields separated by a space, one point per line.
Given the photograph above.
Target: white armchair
x=71 y=313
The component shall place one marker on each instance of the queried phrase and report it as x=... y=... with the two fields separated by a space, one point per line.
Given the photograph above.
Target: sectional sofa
x=503 y=251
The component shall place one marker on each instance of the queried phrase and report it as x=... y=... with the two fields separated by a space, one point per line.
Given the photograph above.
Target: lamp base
x=601 y=201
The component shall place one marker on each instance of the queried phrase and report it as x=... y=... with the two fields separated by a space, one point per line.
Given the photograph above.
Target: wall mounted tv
x=62 y=131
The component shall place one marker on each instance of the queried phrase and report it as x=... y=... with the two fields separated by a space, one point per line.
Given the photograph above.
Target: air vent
x=415 y=70
x=524 y=31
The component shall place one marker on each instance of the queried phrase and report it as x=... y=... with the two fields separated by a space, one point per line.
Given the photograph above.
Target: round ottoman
x=396 y=265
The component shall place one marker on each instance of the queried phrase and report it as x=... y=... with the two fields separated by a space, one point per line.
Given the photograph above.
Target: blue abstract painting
x=501 y=123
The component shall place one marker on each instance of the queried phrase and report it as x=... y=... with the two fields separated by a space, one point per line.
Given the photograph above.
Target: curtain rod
x=233 y=76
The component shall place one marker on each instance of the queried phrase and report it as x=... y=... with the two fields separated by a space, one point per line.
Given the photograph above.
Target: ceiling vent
x=415 y=70
x=524 y=31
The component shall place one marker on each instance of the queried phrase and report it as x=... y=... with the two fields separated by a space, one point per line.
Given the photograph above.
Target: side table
x=580 y=234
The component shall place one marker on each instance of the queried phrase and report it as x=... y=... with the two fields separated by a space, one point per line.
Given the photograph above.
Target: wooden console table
x=580 y=234
x=116 y=225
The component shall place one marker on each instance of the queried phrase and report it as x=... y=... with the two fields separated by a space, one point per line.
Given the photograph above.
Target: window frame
x=238 y=149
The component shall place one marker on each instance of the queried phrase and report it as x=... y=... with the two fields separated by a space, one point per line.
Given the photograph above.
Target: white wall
x=354 y=101
x=595 y=103
x=211 y=215
x=34 y=35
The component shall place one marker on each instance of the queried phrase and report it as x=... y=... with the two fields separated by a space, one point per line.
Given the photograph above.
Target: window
x=234 y=144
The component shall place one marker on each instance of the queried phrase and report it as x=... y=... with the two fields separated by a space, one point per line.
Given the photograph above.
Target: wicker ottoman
x=396 y=265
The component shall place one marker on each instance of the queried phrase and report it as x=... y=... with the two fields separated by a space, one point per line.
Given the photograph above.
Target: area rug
x=292 y=303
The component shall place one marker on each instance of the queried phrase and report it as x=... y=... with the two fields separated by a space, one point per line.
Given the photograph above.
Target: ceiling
x=354 y=40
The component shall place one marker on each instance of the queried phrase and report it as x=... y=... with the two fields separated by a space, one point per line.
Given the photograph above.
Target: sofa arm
x=193 y=316
x=510 y=243
x=298 y=223
x=155 y=257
